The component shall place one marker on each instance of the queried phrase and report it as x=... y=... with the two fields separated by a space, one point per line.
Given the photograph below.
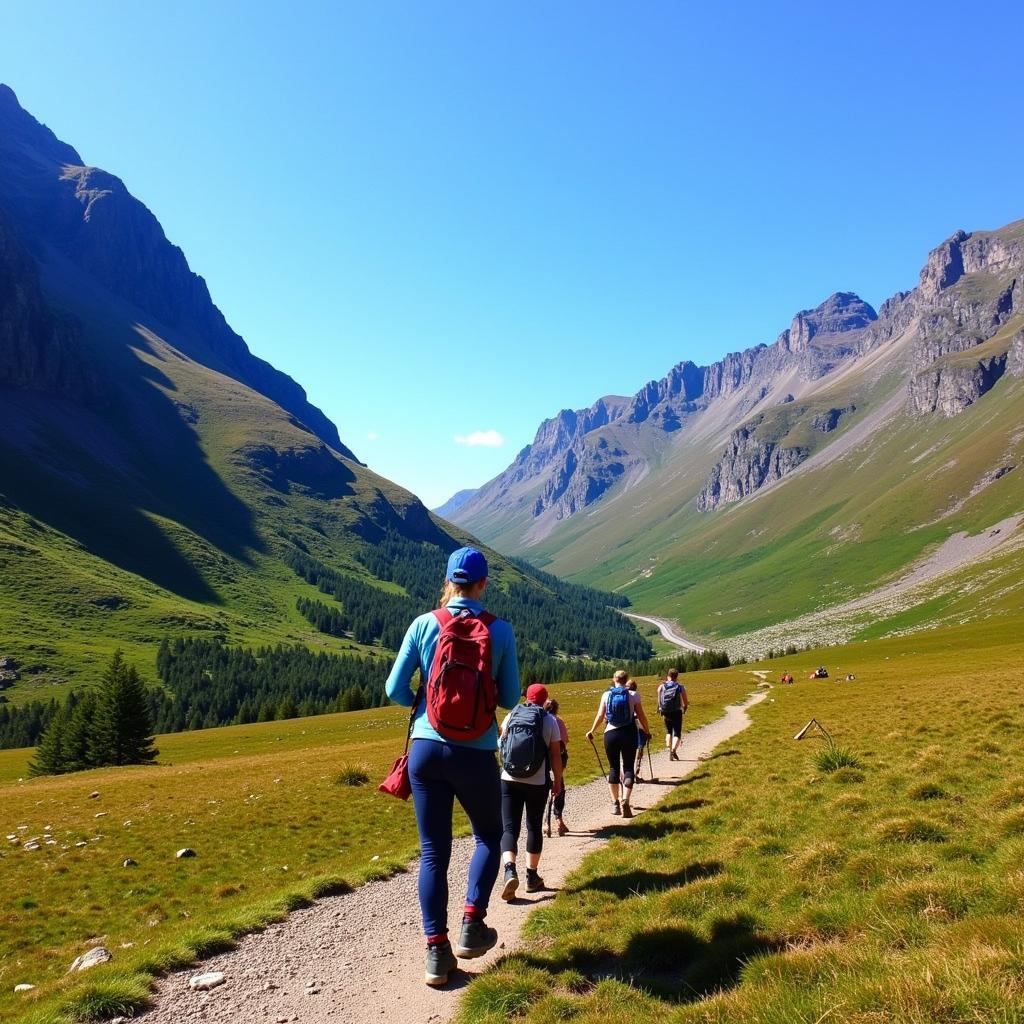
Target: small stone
x=128 y=823
x=204 y=982
x=129 y=863
x=96 y=955
x=186 y=851
x=100 y=814
x=32 y=845
x=81 y=842
x=23 y=988
x=94 y=795
x=281 y=1020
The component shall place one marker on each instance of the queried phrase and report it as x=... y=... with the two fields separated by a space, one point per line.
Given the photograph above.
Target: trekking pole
x=650 y=763
x=551 y=800
x=600 y=763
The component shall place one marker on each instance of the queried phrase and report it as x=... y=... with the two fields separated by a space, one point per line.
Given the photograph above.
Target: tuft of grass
x=913 y=830
x=832 y=758
x=927 y=791
x=350 y=775
x=113 y=996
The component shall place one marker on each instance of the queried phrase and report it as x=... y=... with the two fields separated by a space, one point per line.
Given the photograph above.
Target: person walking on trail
x=672 y=703
x=530 y=755
x=558 y=802
x=468 y=666
x=617 y=710
x=642 y=739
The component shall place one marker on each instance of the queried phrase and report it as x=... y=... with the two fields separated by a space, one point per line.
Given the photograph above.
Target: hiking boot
x=673 y=756
x=627 y=811
x=440 y=963
x=508 y=893
x=615 y=807
x=563 y=829
x=534 y=883
x=475 y=940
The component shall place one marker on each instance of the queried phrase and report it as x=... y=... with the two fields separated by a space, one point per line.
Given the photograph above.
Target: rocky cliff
x=88 y=217
x=1015 y=357
x=38 y=349
x=747 y=465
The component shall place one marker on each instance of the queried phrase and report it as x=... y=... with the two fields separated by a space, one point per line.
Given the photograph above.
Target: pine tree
x=78 y=735
x=50 y=758
x=287 y=708
x=122 y=731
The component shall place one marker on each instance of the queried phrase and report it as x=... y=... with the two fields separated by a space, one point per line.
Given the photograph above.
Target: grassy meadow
x=271 y=819
x=773 y=887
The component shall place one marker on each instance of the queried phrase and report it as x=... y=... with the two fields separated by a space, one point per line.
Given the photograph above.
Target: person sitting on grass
x=558 y=803
x=617 y=710
x=530 y=755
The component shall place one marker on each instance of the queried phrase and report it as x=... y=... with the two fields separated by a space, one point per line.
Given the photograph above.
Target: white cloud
x=480 y=439
x=373 y=436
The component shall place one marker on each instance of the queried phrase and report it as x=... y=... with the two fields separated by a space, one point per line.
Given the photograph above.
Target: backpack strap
x=443 y=616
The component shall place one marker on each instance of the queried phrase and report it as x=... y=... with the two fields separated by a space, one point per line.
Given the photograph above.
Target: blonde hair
x=621 y=677
x=452 y=590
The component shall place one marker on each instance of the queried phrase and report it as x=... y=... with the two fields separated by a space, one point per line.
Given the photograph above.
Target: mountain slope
x=791 y=476
x=156 y=478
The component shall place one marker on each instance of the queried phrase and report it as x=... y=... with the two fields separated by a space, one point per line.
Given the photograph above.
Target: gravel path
x=359 y=957
x=668 y=631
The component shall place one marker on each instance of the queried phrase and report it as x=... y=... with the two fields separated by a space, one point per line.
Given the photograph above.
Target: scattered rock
x=204 y=982
x=32 y=844
x=81 y=842
x=129 y=863
x=97 y=955
x=23 y=988
x=94 y=795
x=100 y=814
x=186 y=851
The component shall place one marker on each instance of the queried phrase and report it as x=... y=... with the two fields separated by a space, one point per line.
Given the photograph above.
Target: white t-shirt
x=634 y=703
x=551 y=735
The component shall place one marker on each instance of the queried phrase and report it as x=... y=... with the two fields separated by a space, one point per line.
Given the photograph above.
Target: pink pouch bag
x=397 y=783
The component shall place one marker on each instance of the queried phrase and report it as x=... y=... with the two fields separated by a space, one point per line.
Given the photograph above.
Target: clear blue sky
x=451 y=218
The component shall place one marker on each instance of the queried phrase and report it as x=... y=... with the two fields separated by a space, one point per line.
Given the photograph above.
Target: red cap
x=536 y=693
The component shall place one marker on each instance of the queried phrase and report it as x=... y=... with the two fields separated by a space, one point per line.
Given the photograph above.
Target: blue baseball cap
x=467 y=565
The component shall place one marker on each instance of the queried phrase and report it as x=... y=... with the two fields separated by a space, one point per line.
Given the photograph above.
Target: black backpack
x=523 y=750
x=671 y=698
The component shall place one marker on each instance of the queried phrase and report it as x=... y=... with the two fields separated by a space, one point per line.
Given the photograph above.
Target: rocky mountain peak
x=840 y=312
x=19 y=127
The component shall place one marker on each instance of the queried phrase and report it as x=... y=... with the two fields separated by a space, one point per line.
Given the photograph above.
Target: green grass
x=770 y=889
x=277 y=815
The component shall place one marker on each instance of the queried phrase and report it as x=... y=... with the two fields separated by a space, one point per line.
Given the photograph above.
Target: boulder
x=23 y=988
x=204 y=982
x=185 y=852
x=129 y=863
x=93 y=958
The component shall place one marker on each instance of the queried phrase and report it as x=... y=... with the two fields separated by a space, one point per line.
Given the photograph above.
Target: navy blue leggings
x=439 y=774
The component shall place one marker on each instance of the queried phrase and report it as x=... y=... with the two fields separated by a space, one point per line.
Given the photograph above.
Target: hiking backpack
x=671 y=698
x=523 y=750
x=618 y=709
x=461 y=693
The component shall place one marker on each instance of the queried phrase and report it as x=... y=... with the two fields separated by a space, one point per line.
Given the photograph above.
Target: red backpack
x=461 y=693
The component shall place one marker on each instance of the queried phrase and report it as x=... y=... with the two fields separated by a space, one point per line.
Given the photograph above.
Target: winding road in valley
x=668 y=631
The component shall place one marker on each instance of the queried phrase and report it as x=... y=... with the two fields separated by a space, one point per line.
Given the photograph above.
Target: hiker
x=641 y=741
x=558 y=802
x=530 y=753
x=617 y=710
x=672 y=704
x=452 y=757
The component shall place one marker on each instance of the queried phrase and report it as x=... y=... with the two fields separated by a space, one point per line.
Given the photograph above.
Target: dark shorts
x=674 y=722
x=620 y=746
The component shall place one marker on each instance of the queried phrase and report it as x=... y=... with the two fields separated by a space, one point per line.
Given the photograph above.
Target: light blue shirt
x=417 y=652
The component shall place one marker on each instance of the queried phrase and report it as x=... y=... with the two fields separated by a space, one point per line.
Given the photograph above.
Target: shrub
x=832 y=758
x=350 y=775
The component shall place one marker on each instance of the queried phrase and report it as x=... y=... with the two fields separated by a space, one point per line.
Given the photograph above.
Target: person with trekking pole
x=530 y=755
x=468 y=667
x=557 y=803
x=617 y=710
x=672 y=704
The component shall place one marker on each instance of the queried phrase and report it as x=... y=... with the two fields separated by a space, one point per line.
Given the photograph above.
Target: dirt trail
x=668 y=631
x=359 y=957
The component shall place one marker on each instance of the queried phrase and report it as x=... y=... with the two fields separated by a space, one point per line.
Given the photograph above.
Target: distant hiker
x=452 y=757
x=617 y=710
x=558 y=804
x=672 y=703
x=530 y=754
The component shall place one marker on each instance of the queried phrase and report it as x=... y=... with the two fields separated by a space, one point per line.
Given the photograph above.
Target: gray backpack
x=523 y=750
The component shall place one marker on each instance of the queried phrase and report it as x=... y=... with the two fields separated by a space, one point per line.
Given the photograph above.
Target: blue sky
x=453 y=219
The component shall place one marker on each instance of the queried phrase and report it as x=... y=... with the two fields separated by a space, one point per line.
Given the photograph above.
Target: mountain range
x=158 y=479
x=799 y=474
